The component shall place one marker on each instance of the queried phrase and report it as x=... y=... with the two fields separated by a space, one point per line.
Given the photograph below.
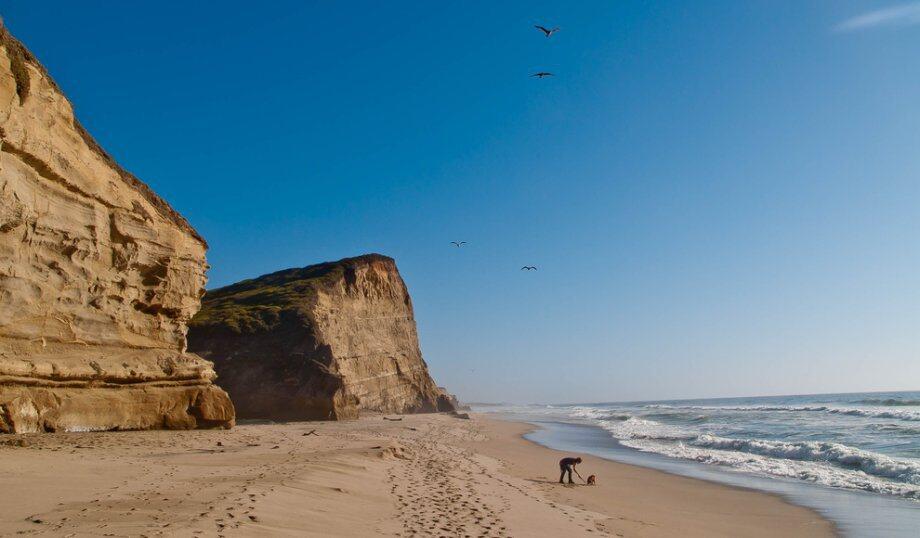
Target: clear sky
x=722 y=197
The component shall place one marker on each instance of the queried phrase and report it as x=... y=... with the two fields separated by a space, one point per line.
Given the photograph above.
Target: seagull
x=546 y=30
x=528 y=268
x=458 y=243
x=542 y=74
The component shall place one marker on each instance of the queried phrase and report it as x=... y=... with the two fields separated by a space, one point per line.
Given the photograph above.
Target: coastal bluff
x=318 y=343
x=99 y=277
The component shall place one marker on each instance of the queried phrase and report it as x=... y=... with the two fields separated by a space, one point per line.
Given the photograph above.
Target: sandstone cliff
x=98 y=278
x=321 y=342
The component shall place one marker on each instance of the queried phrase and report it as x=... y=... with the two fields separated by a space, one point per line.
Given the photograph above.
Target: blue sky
x=721 y=197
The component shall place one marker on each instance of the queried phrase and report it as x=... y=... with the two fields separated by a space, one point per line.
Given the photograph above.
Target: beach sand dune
x=426 y=475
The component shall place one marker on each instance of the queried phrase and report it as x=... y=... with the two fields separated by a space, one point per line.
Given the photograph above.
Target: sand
x=424 y=475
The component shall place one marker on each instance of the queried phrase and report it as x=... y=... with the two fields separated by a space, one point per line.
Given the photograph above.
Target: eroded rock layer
x=316 y=343
x=98 y=278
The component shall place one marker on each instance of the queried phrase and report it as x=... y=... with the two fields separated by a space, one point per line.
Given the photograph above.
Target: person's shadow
x=548 y=481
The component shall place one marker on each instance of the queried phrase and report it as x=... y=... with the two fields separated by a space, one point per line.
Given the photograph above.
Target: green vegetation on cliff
x=258 y=304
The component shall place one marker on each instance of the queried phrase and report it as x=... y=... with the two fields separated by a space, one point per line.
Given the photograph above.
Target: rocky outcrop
x=98 y=278
x=454 y=401
x=316 y=343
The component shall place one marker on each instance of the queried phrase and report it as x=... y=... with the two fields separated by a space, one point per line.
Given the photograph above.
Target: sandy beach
x=421 y=475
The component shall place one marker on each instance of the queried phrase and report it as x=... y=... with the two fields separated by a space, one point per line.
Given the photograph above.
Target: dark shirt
x=565 y=462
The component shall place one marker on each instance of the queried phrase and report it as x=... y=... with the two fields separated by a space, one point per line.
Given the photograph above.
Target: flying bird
x=542 y=74
x=528 y=268
x=458 y=243
x=546 y=30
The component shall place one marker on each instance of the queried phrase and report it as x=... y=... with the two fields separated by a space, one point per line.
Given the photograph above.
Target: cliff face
x=318 y=343
x=98 y=278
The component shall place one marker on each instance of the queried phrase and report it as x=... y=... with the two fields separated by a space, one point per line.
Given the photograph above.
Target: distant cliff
x=454 y=401
x=98 y=278
x=317 y=343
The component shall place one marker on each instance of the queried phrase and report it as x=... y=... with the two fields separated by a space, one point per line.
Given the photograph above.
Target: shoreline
x=852 y=512
x=420 y=475
x=835 y=529
x=715 y=509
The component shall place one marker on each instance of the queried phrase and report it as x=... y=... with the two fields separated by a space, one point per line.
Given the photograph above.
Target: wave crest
x=819 y=472
x=833 y=453
x=897 y=414
x=890 y=402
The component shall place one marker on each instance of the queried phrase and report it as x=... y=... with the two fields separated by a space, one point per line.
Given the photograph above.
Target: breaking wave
x=833 y=453
x=890 y=402
x=897 y=414
x=826 y=463
x=873 y=413
x=819 y=472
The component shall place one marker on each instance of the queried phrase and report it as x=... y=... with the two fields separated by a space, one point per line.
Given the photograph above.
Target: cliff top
x=19 y=56
x=255 y=304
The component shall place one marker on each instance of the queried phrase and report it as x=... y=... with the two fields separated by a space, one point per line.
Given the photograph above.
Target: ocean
x=833 y=452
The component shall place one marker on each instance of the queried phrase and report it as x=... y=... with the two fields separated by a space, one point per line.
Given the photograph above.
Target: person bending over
x=567 y=465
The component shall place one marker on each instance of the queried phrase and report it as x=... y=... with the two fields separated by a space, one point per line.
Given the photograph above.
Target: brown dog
x=592 y=480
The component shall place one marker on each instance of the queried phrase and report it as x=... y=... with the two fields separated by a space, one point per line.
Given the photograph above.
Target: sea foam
x=830 y=464
x=897 y=414
x=813 y=471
